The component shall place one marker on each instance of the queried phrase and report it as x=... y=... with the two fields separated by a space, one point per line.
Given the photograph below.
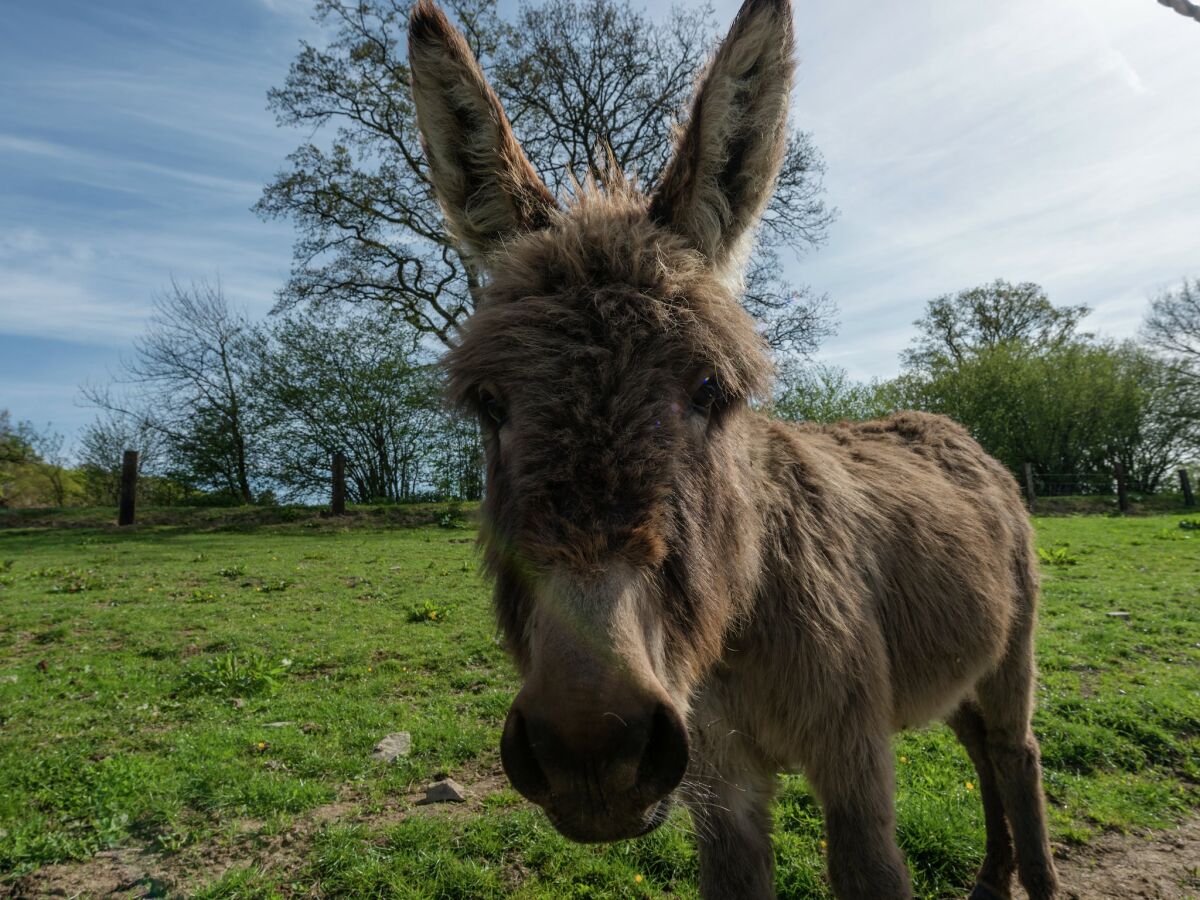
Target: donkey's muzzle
x=600 y=775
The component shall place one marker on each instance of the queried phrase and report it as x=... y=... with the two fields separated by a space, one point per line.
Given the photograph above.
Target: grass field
x=211 y=693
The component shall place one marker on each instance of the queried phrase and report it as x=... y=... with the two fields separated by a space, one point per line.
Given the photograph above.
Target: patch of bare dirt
x=1161 y=865
x=139 y=872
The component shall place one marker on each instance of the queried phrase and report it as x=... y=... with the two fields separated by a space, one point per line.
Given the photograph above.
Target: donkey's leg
x=995 y=876
x=1006 y=703
x=733 y=831
x=856 y=783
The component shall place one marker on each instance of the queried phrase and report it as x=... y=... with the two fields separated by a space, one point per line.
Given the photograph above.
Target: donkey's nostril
x=665 y=758
x=519 y=760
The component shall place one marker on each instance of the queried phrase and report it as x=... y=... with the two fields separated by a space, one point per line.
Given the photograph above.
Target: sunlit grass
x=160 y=687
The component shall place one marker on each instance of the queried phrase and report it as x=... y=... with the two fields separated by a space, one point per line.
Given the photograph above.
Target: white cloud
x=63 y=306
x=1045 y=142
x=1114 y=61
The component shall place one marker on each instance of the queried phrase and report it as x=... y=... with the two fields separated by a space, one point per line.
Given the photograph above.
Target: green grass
x=145 y=674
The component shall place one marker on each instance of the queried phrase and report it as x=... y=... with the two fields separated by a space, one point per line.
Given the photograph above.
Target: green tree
x=824 y=393
x=1072 y=409
x=33 y=466
x=957 y=327
x=351 y=382
x=16 y=440
x=1155 y=434
x=582 y=80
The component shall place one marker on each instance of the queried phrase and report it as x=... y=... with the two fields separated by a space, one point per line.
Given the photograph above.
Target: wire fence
x=1074 y=484
x=1092 y=486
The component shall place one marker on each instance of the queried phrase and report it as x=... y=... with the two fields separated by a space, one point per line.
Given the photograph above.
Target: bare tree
x=186 y=381
x=582 y=80
x=102 y=444
x=1172 y=327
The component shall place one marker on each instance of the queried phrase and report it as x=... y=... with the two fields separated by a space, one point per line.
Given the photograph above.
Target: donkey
x=696 y=596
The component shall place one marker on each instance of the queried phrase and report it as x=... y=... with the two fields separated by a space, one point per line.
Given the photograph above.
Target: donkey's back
x=899 y=587
x=908 y=538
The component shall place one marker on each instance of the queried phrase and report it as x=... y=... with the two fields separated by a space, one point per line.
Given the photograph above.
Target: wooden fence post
x=339 y=484
x=1030 y=496
x=1185 y=485
x=127 y=500
x=1122 y=491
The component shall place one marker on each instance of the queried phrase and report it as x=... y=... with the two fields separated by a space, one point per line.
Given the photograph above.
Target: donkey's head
x=610 y=364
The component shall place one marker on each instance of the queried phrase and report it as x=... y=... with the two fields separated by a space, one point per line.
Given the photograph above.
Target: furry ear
x=482 y=178
x=728 y=153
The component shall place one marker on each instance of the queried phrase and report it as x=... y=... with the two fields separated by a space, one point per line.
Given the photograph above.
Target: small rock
x=310 y=727
x=393 y=746
x=445 y=791
x=238 y=702
x=1117 y=614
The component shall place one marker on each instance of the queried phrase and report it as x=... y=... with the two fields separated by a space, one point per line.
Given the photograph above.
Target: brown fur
x=685 y=585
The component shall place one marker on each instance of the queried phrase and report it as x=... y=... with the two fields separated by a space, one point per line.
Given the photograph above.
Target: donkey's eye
x=492 y=408
x=707 y=396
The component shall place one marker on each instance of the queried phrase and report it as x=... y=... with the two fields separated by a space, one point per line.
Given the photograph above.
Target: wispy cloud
x=1045 y=142
x=111 y=169
x=1054 y=142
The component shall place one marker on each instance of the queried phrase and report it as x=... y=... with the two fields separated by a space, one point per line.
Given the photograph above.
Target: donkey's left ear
x=483 y=180
x=728 y=153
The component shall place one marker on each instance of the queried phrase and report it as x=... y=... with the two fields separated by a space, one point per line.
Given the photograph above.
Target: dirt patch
x=1161 y=865
x=139 y=872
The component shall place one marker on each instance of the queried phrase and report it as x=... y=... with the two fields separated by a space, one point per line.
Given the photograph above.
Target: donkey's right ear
x=483 y=180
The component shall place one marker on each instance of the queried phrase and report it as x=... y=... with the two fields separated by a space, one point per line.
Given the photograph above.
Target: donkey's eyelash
x=491 y=410
x=709 y=395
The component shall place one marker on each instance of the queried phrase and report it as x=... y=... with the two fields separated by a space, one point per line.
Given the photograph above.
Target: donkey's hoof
x=984 y=891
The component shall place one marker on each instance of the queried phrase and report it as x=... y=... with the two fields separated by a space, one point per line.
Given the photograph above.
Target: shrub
x=231 y=675
x=1056 y=556
x=428 y=612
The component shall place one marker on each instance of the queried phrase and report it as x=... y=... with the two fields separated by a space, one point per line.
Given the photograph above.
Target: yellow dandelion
x=904 y=759
x=824 y=845
x=637 y=879
x=262 y=745
x=970 y=787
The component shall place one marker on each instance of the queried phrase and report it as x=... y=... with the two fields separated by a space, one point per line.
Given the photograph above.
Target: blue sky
x=1056 y=141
